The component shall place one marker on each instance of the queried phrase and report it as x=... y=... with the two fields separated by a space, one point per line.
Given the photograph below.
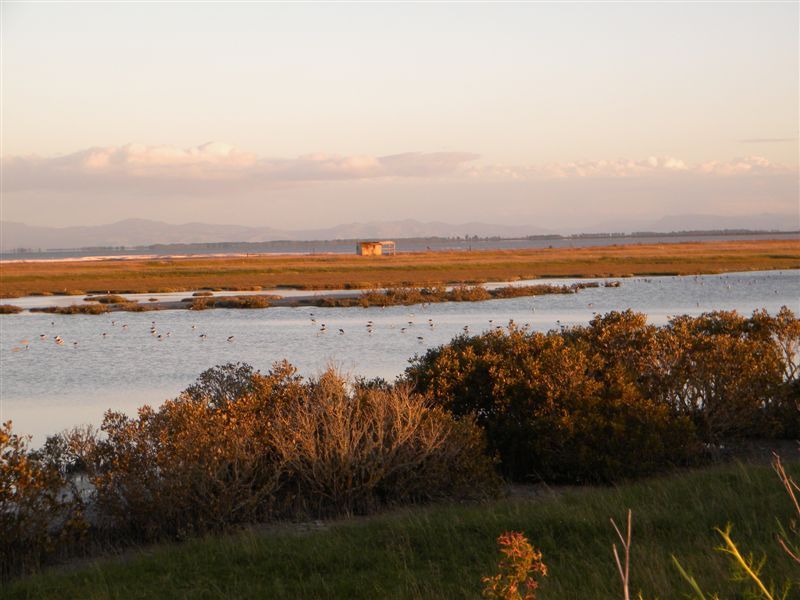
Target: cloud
x=217 y=168
x=628 y=168
x=213 y=163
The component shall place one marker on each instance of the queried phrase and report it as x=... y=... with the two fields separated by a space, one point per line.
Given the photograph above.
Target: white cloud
x=649 y=167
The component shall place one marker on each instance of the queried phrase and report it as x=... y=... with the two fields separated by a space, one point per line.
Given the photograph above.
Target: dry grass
x=405 y=269
x=74 y=309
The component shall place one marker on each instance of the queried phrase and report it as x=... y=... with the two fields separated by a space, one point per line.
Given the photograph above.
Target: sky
x=309 y=115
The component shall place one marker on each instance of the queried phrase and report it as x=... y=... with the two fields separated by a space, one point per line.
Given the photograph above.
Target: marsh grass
x=410 y=269
x=74 y=309
x=107 y=299
x=442 y=551
x=10 y=309
x=407 y=296
x=206 y=302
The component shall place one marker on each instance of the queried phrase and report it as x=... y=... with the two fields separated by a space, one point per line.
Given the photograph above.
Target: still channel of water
x=48 y=386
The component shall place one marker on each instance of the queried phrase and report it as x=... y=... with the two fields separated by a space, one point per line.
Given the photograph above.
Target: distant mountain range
x=143 y=232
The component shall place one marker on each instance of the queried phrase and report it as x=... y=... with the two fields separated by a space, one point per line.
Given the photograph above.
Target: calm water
x=49 y=387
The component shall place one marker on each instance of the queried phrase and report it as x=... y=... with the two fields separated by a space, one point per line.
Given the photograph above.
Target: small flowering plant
x=518 y=568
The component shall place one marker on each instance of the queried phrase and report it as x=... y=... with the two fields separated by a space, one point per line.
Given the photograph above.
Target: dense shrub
x=734 y=376
x=544 y=411
x=619 y=398
x=38 y=514
x=242 y=447
x=9 y=309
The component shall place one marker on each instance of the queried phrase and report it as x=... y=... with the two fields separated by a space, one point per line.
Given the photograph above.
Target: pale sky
x=307 y=115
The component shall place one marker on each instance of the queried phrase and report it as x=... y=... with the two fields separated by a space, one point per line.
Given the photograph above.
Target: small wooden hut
x=375 y=248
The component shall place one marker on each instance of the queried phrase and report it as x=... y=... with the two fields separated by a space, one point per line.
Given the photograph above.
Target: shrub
x=734 y=376
x=9 y=309
x=544 y=410
x=36 y=518
x=241 y=447
x=619 y=398
x=516 y=579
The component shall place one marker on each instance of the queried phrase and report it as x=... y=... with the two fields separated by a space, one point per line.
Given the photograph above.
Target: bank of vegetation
x=394 y=296
x=207 y=302
x=608 y=402
x=406 y=296
x=315 y=272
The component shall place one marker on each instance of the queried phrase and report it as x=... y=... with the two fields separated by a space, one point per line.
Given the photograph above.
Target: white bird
x=231 y=338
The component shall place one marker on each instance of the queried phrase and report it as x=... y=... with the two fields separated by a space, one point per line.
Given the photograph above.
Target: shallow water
x=49 y=387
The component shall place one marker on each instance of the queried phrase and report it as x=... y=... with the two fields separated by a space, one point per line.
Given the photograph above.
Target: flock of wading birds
x=322 y=329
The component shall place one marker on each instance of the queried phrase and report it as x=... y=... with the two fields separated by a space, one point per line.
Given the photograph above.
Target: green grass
x=442 y=551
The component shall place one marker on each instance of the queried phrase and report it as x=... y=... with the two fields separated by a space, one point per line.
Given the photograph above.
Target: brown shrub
x=9 y=309
x=36 y=520
x=242 y=447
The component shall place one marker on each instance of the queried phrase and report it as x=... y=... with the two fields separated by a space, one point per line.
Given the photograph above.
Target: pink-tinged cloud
x=214 y=162
x=216 y=167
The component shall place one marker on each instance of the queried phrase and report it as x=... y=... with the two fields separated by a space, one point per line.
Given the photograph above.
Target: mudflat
x=336 y=271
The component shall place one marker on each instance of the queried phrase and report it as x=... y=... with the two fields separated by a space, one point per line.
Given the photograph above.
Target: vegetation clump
x=238 y=447
x=407 y=296
x=250 y=301
x=34 y=519
x=74 y=309
x=108 y=299
x=10 y=309
x=620 y=398
x=137 y=307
